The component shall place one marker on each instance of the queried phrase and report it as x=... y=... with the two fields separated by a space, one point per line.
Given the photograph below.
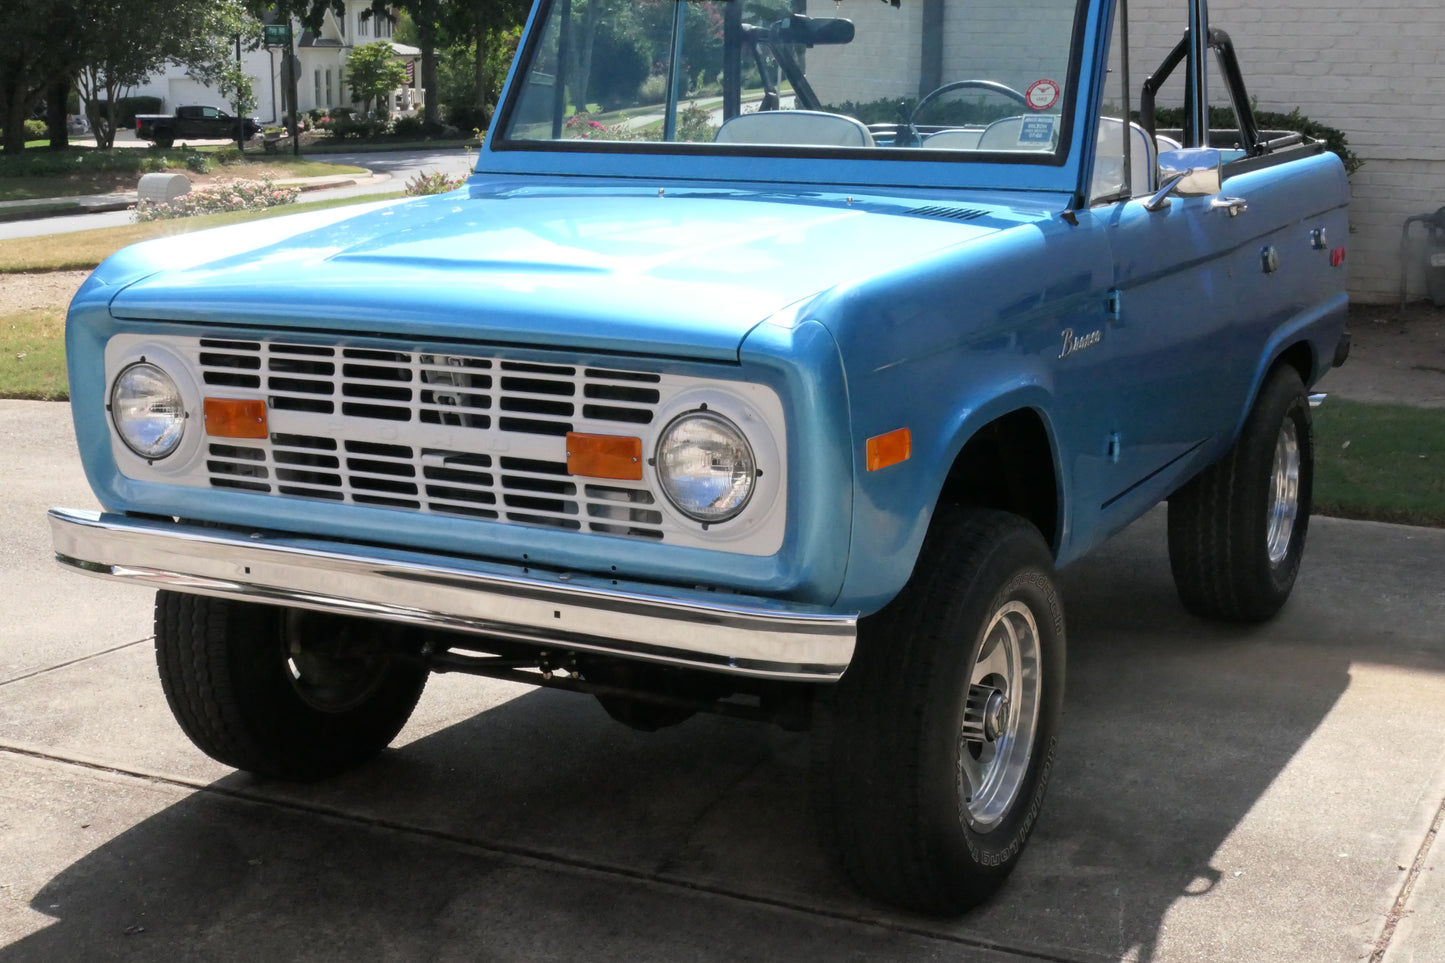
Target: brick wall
x=1373 y=68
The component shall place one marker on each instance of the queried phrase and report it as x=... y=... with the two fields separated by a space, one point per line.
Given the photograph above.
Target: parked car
x=783 y=397
x=196 y=123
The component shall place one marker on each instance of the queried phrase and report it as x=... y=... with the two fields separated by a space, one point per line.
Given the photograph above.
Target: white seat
x=1109 y=159
x=809 y=128
x=958 y=139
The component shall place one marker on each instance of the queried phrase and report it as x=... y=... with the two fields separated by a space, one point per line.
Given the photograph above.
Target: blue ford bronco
x=770 y=363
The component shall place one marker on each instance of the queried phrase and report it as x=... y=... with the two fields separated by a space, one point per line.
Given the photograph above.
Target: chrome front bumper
x=557 y=612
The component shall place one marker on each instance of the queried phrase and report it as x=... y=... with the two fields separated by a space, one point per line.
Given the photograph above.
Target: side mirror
x=1191 y=172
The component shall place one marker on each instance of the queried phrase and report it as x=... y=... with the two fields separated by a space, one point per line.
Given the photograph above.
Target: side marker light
x=889 y=449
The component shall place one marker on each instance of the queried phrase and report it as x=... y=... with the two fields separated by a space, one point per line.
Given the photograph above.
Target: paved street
x=1221 y=793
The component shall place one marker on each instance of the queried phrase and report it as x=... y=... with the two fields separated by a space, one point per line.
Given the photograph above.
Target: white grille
x=468 y=436
x=385 y=389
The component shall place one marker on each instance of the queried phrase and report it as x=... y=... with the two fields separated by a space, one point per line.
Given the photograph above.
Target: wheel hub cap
x=995 y=716
x=1283 y=492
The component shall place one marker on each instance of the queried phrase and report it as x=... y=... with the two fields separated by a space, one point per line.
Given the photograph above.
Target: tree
x=374 y=71
x=120 y=43
x=36 y=50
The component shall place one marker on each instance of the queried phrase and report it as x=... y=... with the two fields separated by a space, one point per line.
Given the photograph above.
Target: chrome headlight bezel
x=727 y=439
x=129 y=415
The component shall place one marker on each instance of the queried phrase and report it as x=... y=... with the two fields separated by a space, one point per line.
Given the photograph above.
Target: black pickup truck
x=195 y=122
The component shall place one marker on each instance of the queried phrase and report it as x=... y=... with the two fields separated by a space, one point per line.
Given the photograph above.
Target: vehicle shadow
x=539 y=829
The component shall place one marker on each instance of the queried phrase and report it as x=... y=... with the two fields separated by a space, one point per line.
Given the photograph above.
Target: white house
x=322 y=56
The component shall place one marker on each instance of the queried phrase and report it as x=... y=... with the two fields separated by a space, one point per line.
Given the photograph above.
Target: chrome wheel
x=1283 y=492
x=1000 y=717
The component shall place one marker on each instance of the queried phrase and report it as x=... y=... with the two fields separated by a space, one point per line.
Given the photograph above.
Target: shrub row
x=218 y=198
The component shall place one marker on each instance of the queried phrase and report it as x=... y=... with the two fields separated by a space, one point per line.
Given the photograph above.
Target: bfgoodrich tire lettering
x=282 y=692
x=924 y=802
x=1237 y=530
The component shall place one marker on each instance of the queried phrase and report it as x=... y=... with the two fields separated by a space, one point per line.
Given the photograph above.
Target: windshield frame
x=883 y=166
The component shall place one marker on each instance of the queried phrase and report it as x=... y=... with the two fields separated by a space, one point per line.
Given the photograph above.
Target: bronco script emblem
x=1073 y=344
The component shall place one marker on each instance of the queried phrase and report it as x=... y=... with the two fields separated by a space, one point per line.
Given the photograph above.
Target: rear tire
x=933 y=752
x=284 y=692
x=164 y=141
x=1237 y=530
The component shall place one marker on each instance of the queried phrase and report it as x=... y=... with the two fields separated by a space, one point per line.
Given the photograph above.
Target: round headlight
x=148 y=411
x=706 y=467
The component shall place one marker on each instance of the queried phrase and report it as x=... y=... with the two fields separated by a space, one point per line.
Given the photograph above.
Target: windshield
x=974 y=77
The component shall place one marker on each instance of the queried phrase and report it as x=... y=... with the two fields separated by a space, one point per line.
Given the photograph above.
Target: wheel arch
x=1300 y=356
x=1010 y=463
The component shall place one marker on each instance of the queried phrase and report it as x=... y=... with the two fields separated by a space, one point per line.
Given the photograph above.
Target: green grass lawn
x=32 y=354
x=1380 y=462
x=32 y=343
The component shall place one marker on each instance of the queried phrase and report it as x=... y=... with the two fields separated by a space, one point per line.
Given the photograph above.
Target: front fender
x=894 y=506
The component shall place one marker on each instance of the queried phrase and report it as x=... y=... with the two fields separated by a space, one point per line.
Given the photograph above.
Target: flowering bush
x=694 y=124
x=582 y=125
x=433 y=182
x=219 y=197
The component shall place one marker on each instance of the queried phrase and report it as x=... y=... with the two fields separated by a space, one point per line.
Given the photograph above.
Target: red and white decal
x=1043 y=94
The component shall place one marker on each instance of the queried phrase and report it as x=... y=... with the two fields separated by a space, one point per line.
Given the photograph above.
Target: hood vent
x=948 y=213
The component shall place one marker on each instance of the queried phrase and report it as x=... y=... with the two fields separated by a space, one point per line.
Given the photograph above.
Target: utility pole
x=295 y=74
x=236 y=105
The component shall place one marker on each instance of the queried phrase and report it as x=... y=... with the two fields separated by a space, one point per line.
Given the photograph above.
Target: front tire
x=284 y=692
x=934 y=752
x=1237 y=530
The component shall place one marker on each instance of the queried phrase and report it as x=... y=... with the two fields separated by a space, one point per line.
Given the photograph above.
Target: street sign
x=276 y=34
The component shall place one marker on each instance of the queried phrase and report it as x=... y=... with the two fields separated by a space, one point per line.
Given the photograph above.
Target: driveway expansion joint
x=46 y=670
x=1399 y=909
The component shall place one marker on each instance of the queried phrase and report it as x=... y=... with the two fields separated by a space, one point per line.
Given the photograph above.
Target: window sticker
x=1042 y=94
x=1037 y=132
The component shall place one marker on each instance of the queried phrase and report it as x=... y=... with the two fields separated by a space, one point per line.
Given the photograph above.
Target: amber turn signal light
x=230 y=418
x=604 y=456
x=889 y=449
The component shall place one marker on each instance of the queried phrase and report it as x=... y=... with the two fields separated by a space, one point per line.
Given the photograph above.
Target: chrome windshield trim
x=743 y=635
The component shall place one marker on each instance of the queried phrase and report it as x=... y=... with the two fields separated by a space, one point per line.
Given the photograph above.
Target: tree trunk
x=583 y=73
x=57 y=95
x=14 y=87
x=479 y=69
x=427 y=35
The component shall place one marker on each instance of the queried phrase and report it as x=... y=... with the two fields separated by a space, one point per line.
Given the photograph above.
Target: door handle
x=1234 y=205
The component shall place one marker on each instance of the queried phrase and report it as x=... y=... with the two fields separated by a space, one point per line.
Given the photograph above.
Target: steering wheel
x=911 y=133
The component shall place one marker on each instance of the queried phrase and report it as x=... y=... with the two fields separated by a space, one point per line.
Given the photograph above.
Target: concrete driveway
x=1264 y=793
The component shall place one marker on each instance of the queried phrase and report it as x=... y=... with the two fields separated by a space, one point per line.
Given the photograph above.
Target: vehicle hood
x=684 y=273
